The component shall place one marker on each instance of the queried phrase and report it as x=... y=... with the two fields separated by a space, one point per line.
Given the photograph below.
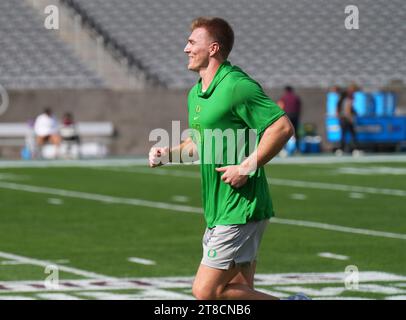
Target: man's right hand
x=158 y=156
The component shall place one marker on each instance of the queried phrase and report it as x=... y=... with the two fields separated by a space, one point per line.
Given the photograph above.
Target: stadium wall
x=135 y=113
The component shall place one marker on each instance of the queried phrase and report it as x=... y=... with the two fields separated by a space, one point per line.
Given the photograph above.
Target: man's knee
x=203 y=292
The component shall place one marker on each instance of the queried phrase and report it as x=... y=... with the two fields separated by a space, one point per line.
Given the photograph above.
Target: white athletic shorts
x=227 y=245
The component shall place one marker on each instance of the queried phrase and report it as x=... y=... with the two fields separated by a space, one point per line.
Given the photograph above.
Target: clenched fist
x=158 y=156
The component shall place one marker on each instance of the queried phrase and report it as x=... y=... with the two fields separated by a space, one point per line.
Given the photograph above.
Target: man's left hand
x=233 y=176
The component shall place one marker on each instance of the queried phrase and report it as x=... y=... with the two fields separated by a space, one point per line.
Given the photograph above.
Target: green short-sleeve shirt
x=223 y=118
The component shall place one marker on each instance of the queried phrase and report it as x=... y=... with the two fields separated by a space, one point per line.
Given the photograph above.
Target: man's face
x=198 y=48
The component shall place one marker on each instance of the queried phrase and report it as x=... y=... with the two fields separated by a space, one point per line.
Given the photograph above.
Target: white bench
x=95 y=137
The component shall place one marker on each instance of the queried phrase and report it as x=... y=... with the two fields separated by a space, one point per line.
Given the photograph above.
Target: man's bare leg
x=235 y=283
x=246 y=275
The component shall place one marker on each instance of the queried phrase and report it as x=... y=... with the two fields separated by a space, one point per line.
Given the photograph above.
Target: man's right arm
x=184 y=152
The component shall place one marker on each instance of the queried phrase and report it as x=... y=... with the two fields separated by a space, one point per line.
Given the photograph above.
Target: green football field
x=120 y=230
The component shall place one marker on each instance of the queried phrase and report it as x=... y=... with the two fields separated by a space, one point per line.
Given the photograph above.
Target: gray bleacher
x=301 y=42
x=33 y=57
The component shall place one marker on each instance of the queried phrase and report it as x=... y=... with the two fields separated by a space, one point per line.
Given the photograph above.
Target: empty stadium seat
x=303 y=43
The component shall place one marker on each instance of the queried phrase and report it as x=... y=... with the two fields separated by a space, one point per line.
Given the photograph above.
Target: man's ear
x=214 y=49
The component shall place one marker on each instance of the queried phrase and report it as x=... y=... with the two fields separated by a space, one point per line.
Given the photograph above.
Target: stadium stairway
x=32 y=57
x=90 y=48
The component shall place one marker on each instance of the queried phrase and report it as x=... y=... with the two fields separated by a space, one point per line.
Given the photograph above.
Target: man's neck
x=207 y=74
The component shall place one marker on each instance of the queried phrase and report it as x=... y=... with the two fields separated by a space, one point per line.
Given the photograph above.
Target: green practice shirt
x=233 y=104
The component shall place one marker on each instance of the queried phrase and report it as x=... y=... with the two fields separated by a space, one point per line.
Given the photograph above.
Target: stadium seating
x=303 y=43
x=33 y=57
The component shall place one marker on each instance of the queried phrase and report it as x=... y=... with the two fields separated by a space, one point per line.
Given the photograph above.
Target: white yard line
x=17 y=263
x=145 y=294
x=372 y=171
x=185 y=282
x=336 y=187
x=55 y=201
x=72 y=163
x=44 y=263
x=326 y=159
x=56 y=296
x=13 y=177
x=159 y=171
x=298 y=196
x=396 y=298
x=13 y=263
x=162 y=288
x=2 y=297
x=180 y=198
x=318 y=159
x=333 y=227
x=330 y=255
x=182 y=208
x=272 y=181
x=356 y=195
x=142 y=261
x=99 y=197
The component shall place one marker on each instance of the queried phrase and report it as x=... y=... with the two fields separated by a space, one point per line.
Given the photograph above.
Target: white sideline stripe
x=149 y=287
x=144 y=161
x=333 y=256
x=15 y=298
x=72 y=163
x=156 y=171
x=57 y=296
x=372 y=171
x=372 y=158
x=182 y=208
x=44 y=263
x=185 y=282
x=396 y=298
x=332 y=227
x=99 y=197
x=273 y=181
x=142 y=261
x=12 y=177
x=149 y=294
x=18 y=263
x=13 y=263
x=338 y=187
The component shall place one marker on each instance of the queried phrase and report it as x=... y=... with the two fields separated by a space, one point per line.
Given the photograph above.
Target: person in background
x=69 y=132
x=46 y=131
x=290 y=102
x=346 y=115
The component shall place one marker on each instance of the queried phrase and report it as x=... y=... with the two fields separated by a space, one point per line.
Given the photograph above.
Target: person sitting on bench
x=46 y=131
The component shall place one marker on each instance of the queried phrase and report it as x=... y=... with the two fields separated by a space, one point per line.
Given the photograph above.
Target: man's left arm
x=271 y=143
